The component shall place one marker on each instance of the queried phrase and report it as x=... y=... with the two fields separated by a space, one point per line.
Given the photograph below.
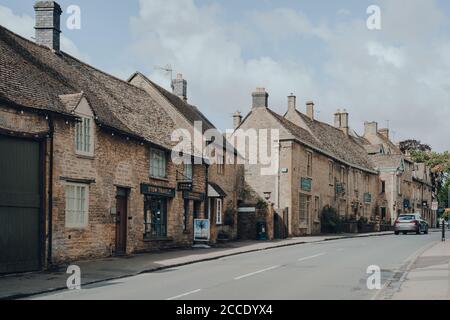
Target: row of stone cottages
x=85 y=160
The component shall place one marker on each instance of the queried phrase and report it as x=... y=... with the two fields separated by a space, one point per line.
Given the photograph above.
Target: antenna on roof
x=168 y=72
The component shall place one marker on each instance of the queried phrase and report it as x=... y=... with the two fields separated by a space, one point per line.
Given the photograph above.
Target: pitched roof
x=187 y=110
x=35 y=77
x=387 y=161
x=335 y=142
x=190 y=112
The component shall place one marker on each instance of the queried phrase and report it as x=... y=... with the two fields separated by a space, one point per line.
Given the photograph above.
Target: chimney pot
x=260 y=98
x=47 y=24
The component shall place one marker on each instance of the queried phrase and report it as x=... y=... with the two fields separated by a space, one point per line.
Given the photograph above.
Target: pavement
x=116 y=268
x=337 y=269
x=428 y=275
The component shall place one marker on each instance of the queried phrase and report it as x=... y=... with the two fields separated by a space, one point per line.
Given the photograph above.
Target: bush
x=331 y=221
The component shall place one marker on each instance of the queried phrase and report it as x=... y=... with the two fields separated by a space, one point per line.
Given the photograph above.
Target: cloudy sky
x=319 y=50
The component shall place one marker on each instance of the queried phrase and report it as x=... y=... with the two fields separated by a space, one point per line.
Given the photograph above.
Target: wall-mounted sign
x=340 y=189
x=425 y=204
x=202 y=230
x=406 y=203
x=306 y=184
x=185 y=186
x=157 y=191
x=367 y=197
x=196 y=196
x=435 y=206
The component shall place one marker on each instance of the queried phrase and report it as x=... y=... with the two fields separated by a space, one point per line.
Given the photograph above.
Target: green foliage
x=413 y=145
x=440 y=170
x=330 y=220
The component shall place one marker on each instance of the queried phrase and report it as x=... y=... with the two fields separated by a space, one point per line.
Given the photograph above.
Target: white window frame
x=188 y=171
x=219 y=211
x=80 y=145
x=159 y=168
x=69 y=221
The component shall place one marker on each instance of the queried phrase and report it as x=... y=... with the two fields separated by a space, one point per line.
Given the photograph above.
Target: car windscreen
x=407 y=218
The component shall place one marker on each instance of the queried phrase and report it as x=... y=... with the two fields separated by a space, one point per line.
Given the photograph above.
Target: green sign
x=306 y=184
x=367 y=197
x=340 y=188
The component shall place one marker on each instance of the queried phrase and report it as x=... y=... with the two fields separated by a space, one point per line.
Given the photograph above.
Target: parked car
x=411 y=222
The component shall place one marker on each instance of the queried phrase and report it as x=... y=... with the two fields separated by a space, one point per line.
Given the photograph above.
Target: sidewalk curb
x=155 y=269
x=404 y=270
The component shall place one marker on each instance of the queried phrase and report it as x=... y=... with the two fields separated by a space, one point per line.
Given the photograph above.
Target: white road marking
x=256 y=272
x=312 y=257
x=184 y=294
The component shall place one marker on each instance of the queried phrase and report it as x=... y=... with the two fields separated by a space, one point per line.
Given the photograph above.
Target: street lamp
x=267 y=195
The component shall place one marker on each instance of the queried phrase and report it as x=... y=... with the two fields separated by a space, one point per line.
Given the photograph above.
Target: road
x=327 y=270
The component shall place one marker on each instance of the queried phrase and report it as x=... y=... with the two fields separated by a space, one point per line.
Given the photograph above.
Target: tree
x=413 y=145
x=440 y=169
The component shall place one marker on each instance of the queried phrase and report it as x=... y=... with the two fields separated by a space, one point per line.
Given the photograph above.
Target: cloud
x=24 y=26
x=400 y=73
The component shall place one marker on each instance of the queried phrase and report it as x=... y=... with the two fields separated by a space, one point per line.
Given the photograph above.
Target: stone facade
x=321 y=181
x=228 y=177
x=118 y=161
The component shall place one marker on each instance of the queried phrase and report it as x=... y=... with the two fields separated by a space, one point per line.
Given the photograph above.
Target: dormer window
x=84 y=138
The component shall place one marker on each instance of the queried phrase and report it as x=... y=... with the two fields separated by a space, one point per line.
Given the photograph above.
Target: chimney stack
x=260 y=98
x=237 y=119
x=337 y=118
x=47 y=28
x=292 y=103
x=310 y=110
x=370 y=128
x=344 y=122
x=179 y=87
x=384 y=132
x=341 y=121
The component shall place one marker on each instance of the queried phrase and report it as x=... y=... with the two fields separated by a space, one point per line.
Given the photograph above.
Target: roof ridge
x=158 y=87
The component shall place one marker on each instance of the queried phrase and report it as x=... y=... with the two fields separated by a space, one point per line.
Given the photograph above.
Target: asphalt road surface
x=327 y=270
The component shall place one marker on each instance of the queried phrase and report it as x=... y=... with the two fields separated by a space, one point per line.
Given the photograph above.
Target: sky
x=319 y=50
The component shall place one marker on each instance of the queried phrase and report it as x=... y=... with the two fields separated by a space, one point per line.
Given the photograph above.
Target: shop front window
x=156 y=218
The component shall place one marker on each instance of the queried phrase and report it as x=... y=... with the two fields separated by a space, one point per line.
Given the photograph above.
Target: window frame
x=70 y=224
x=188 y=173
x=154 y=151
x=219 y=211
x=304 y=211
x=331 y=173
x=80 y=125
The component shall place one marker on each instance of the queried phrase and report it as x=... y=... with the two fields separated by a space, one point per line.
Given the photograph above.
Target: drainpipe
x=50 y=194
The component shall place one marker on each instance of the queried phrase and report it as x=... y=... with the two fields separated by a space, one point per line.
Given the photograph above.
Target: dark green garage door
x=20 y=203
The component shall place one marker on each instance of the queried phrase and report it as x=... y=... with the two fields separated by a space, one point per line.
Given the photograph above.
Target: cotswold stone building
x=406 y=185
x=84 y=159
x=225 y=176
x=320 y=165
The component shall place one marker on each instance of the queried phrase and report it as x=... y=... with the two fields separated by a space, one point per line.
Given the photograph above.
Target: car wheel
x=397 y=233
x=405 y=233
x=426 y=231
